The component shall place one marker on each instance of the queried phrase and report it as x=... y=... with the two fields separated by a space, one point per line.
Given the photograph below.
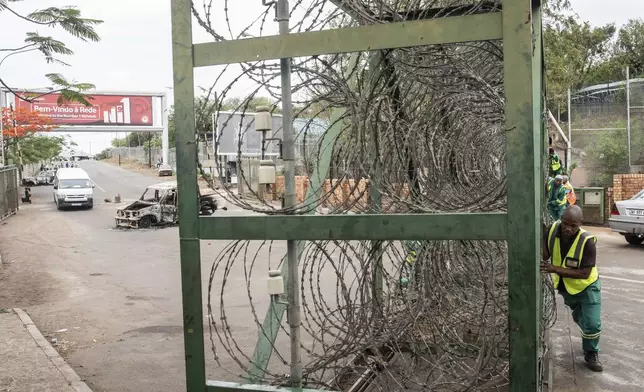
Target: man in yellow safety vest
x=555 y=163
x=556 y=197
x=572 y=253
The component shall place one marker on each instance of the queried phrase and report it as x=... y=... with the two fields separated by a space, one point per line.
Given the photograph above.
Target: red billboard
x=113 y=110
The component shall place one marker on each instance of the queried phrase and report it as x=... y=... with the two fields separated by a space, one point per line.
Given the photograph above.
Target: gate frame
x=519 y=25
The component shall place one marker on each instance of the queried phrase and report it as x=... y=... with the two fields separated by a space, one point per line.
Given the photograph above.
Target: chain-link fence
x=9 y=191
x=607 y=128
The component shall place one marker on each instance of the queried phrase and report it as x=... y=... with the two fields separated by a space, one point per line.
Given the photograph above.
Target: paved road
x=118 y=293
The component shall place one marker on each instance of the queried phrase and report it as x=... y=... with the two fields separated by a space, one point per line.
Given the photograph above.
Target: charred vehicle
x=158 y=206
x=44 y=177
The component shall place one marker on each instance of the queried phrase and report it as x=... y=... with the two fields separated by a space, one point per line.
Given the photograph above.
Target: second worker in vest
x=572 y=252
x=556 y=197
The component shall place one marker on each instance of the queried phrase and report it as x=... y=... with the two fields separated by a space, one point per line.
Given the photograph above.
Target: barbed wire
x=421 y=127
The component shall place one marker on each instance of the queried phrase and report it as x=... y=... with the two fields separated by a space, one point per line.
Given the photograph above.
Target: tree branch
x=26 y=18
x=30 y=100
x=16 y=49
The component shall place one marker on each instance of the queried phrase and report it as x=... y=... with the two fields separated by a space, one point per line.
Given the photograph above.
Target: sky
x=135 y=52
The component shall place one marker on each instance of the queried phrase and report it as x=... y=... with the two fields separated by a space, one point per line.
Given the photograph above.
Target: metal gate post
x=522 y=78
x=188 y=198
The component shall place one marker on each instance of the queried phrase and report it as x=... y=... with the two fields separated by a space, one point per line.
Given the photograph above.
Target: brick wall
x=277 y=189
x=626 y=186
x=347 y=193
x=609 y=202
x=343 y=193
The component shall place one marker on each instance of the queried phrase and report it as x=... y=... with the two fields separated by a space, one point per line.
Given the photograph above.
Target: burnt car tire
x=145 y=222
x=633 y=239
x=207 y=208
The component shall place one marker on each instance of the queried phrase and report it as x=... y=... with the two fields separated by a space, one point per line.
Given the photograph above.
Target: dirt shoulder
x=135 y=166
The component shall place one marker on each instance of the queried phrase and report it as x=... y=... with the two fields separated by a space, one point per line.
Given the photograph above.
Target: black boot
x=592 y=361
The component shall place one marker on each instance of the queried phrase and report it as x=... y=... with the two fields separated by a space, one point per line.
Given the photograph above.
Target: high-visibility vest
x=559 y=202
x=572 y=259
x=555 y=164
x=571 y=196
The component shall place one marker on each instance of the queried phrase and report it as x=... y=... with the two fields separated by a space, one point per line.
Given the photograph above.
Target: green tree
x=68 y=19
x=630 y=44
x=37 y=148
x=576 y=54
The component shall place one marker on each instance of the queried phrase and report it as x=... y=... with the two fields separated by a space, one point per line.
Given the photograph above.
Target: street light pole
x=628 y=115
x=288 y=156
x=2 y=98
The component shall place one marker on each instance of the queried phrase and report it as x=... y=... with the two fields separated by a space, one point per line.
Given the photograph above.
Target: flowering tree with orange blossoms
x=22 y=122
x=21 y=126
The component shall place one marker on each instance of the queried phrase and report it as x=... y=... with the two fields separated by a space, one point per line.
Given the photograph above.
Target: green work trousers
x=556 y=211
x=586 y=311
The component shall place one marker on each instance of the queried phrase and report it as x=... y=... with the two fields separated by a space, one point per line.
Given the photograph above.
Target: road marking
x=622 y=279
x=99 y=187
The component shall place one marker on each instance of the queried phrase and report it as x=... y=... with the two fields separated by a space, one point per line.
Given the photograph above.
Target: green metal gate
x=519 y=26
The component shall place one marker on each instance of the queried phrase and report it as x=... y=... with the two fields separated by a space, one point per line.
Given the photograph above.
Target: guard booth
x=592 y=201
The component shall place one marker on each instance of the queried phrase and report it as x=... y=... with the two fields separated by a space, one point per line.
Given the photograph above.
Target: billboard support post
x=165 y=137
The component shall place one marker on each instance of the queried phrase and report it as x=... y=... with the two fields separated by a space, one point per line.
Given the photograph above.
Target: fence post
x=569 y=152
x=628 y=114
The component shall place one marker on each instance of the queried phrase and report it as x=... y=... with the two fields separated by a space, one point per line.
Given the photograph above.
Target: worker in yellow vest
x=572 y=255
x=571 y=196
x=555 y=163
x=556 y=197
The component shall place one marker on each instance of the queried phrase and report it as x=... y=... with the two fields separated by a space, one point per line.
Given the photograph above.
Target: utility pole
x=569 y=152
x=288 y=156
x=18 y=150
x=2 y=158
x=628 y=114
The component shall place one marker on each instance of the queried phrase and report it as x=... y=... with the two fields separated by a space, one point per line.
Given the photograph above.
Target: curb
x=70 y=375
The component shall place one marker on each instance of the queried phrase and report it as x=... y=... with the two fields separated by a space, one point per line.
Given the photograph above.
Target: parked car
x=158 y=206
x=44 y=177
x=164 y=170
x=627 y=218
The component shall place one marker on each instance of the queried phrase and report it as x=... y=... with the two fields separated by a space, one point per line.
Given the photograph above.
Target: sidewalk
x=29 y=362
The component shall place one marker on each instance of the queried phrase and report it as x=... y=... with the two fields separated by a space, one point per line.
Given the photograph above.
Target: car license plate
x=636 y=212
x=76 y=204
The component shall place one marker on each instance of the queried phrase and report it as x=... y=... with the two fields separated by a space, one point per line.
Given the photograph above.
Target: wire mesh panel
x=600 y=122
x=9 y=191
x=637 y=119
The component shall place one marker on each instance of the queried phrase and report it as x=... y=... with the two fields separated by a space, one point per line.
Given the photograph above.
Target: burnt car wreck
x=158 y=206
